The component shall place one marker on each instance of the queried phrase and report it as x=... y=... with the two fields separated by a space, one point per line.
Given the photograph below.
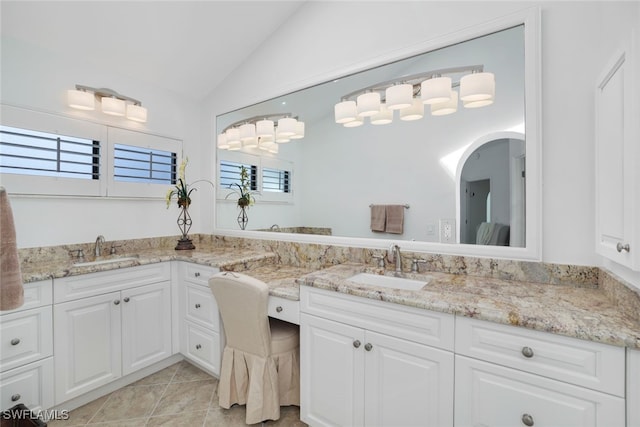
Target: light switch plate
x=447 y=230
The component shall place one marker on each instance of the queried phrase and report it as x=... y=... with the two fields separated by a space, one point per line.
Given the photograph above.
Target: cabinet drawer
x=492 y=395
x=86 y=285
x=36 y=294
x=422 y=326
x=25 y=336
x=196 y=273
x=584 y=363
x=284 y=309
x=31 y=385
x=201 y=307
x=203 y=347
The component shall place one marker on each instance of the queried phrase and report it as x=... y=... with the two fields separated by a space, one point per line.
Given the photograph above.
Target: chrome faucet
x=99 y=243
x=394 y=255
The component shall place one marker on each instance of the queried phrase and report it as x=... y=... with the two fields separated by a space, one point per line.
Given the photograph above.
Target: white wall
x=576 y=38
x=35 y=79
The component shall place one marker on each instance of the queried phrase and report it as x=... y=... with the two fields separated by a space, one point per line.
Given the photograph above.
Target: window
x=230 y=174
x=275 y=180
x=137 y=164
x=29 y=152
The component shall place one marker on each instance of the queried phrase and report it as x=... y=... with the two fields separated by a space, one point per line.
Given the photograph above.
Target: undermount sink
x=388 y=281
x=105 y=261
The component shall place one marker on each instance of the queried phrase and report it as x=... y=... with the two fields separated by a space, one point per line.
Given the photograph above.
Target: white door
x=146 y=326
x=491 y=395
x=331 y=373
x=87 y=344
x=407 y=384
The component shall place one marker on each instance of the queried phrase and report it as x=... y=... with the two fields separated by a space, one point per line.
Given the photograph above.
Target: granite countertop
x=579 y=312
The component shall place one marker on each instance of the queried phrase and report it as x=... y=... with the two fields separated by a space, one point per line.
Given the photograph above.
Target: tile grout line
x=163 y=393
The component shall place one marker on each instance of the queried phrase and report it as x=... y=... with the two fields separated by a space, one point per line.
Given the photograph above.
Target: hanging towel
x=395 y=219
x=378 y=217
x=11 y=289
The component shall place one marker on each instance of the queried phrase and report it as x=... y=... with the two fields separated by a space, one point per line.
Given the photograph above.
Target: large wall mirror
x=468 y=181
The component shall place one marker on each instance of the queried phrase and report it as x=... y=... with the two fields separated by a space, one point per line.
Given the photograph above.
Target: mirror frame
x=533 y=147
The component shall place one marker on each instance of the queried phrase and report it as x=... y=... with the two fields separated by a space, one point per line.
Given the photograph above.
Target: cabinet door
x=617 y=160
x=491 y=395
x=407 y=384
x=146 y=321
x=87 y=344
x=331 y=373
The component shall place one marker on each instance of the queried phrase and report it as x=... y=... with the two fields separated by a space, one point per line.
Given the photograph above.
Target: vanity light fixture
x=263 y=132
x=409 y=94
x=112 y=103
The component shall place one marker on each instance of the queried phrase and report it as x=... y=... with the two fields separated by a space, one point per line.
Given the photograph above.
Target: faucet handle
x=415 y=262
x=380 y=259
x=112 y=250
x=78 y=253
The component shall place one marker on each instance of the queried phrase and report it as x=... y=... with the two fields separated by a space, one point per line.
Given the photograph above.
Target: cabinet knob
x=15 y=341
x=368 y=346
x=15 y=397
x=279 y=309
x=527 y=352
x=126 y=299
x=527 y=420
x=117 y=302
x=198 y=346
x=196 y=274
x=197 y=305
x=620 y=247
x=356 y=343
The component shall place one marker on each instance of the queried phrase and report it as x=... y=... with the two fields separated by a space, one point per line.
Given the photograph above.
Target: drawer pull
x=279 y=309
x=198 y=346
x=15 y=397
x=527 y=352
x=15 y=341
x=356 y=343
x=527 y=420
x=620 y=247
x=368 y=346
x=197 y=305
x=126 y=299
x=117 y=302
x=197 y=274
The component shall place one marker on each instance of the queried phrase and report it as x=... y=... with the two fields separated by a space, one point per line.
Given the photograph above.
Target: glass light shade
x=264 y=128
x=435 y=90
x=235 y=145
x=81 y=100
x=477 y=104
x=274 y=149
x=384 y=117
x=399 y=96
x=345 y=111
x=250 y=143
x=222 y=141
x=414 y=112
x=265 y=144
x=299 y=131
x=447 y=107
x=113 y=106
x=368 y=104
x=354 y=123
x=233 y=135
x=137 y=113
x=477 y=86
x=287 y=126
x=280 y=138
x=247 y=132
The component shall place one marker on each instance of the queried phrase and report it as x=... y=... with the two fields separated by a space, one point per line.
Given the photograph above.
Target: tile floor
x=180 y=395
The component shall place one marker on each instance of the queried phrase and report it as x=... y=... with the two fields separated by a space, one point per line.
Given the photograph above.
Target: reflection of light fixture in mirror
x=262 y=132
x=405 y=93
x=83 y=98
x=222 y=141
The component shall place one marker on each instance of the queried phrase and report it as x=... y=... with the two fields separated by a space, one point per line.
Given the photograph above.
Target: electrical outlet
x=431 y=230
x=447 y=230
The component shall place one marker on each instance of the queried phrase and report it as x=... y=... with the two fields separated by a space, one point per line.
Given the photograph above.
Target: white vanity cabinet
x=108 y=325
x=26 y=350
x=508 y=376
x=365 y=362
x=201 y=335
x=617 y=132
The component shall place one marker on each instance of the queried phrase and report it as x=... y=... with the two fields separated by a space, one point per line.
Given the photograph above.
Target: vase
x=184 y=224
x=243 y=219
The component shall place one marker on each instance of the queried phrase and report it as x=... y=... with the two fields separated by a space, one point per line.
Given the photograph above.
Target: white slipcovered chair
x=260 y=362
